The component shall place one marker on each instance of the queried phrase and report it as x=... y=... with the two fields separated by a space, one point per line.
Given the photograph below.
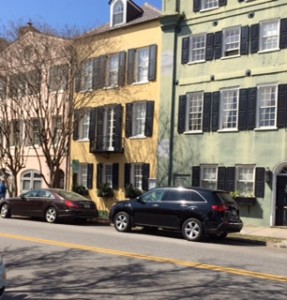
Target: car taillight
x=71 y=204
x=219 y=208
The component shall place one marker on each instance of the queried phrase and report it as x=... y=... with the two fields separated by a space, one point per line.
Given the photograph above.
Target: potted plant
x=132 y=192
x=106 y=191
x=243 y=199
x=80 y=189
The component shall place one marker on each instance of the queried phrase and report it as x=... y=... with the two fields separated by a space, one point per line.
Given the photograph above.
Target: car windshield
x=71 y=195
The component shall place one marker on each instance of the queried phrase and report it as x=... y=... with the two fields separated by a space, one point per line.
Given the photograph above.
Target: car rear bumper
x=224 y=227
x=73 y=214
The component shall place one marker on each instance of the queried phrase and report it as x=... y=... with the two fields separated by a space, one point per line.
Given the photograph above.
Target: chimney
x=24 y=29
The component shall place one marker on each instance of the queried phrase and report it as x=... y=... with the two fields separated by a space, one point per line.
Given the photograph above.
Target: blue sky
x=85 y=14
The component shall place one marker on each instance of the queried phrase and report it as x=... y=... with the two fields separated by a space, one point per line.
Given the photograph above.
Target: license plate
x=86 y=205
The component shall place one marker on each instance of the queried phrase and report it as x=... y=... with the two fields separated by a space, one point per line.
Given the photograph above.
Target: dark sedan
x=50 y=204
x=194 y=212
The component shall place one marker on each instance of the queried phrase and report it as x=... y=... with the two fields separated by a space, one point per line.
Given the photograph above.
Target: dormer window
x=117 y=13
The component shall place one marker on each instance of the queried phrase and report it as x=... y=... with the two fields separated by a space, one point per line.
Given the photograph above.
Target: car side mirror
x=139 y=199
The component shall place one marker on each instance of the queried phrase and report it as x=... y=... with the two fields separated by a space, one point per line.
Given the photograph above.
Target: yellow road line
x=151 y=258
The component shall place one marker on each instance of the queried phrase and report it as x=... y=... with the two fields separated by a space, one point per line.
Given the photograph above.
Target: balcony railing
x=106 y=144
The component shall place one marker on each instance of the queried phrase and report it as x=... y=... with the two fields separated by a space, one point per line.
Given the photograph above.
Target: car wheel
x=218 y=236
x=122 y=222
x=51 y=215
x=192 y=229
x=5 y=211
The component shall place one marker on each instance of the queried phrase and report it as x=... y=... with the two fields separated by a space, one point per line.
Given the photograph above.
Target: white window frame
x=245 y=175
x=194 y=112
x=108 y=174
x=209 y=4
x=82 y=177
x=273 y=36
x=84 y=124
x=118 y=8
x=16 y=132
x=137 y=176
x=33 y=178
x=229 y=105
x=57 y=128
x=208 y=176
x=87 y=75
x=139 y=119
x=264 y=108
x=197 y=48
x=109 y=127
x=231 y=41
x=141 y=65
x=112 y=71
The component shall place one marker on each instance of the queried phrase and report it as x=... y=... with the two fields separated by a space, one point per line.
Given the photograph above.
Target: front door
x=281 y=201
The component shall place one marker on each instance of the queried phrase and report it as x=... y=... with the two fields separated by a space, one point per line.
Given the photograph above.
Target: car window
x=45 y=194
x=31 y=194
x=225 y=197
x=183 y=195
x=71 y=195
x=153 y=195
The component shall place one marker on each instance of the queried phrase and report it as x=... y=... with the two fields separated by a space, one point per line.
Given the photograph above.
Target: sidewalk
x=272 y=232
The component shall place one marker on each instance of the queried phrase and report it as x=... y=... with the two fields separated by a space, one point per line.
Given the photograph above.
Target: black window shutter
x=129 y=119
x=259 y=182
x=149 y=118
x=131 y=66
x=122 y=69
x=244 y=44
x=196 y=5
x=185 y=50
x=116 y=176
x=181 y=114
x=92 y=128
x=206 y=111
x=242 y=113
x=221 y=178
x=222 y=2
x=152 y=63
x=215 y=111
x=218 y=44
x=100 y=128
x=118 y=127
x=282 y=107
x=78 y=81
x=76 y=125
x=127 y=174
x=145 y=170
x=196 y=176
x=96 y=73
x=230 y=179
x=99 y=175
x=102 y=70
x=283 y=34
x=90 y=176
x=251 y=108
x=209 y=46
x=254 y=38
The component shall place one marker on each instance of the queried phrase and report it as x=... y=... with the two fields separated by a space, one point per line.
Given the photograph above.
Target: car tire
x=192 y=229
x=218 y=236
x=51 y=215
x=122 y=222
x=5 y=211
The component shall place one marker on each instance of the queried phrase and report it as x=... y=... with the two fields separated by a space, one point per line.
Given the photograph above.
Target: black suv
x=193 y=211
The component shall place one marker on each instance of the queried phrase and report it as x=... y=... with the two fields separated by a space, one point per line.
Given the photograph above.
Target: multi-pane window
x=245 y=177
x=269 y=35
x=58 y=78
x=137 y=176
x=207 y=4
x=141 y=65
x=2 y=88
x=57 y=129
x=109 y=128
x=112 y=70
x=16 y=132
x=229 y=108
x=139 y=119
x=35 y=131
x=194 y=111
x=266 y=106
x=83 y=175
x=118 y=13
x=231 y=41
x=197 y=48
x=108 y=174
x=31 y=180
x=208 y=176
x=84 y=124
x=87 y=75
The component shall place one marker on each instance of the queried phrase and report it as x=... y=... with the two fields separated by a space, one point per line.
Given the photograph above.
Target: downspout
x=177 y=30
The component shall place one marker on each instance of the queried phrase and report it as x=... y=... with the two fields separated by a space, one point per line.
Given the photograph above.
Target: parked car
x=2 y=277
x=50 y=204
x=195 y=212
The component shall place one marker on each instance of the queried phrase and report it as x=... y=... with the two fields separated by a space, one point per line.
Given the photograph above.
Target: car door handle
x=155 y=205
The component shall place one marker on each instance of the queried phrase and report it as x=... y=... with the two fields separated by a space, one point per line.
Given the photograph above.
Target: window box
x=242 y=200
x=132 y=192
x=106 y=191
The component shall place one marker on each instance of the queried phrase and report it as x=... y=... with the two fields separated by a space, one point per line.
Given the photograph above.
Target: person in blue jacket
x=2 y=189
